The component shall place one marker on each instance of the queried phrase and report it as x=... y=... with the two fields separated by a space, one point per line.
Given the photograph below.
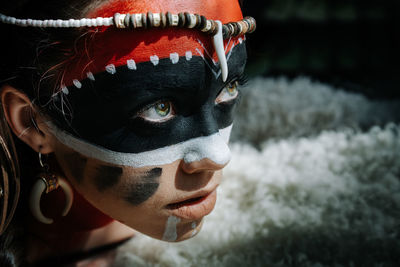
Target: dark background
x=352 y=44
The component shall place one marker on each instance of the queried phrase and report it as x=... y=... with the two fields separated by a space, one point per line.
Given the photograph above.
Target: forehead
x=223 y=10
x=110 y=46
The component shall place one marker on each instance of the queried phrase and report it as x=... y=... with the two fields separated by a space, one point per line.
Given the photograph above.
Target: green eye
x=158 y=112
x=232 y=88
x=229 y=93
x=163 y=108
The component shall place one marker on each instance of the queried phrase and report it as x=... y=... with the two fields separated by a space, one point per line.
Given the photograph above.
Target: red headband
x=110 y=47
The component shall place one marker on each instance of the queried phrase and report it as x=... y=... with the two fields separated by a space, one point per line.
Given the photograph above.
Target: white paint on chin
x=213 y=147
x=194 y=225
x=170 y=233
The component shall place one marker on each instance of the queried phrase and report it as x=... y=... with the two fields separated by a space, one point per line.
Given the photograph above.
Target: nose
x=207 y=153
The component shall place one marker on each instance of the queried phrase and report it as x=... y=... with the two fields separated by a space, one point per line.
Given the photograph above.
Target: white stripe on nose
x=213 y=147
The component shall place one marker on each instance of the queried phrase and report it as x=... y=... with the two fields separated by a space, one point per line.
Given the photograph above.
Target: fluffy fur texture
x=316 y=184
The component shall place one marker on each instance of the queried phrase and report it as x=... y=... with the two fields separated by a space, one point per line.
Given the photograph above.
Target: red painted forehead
x=115 y=47
x=223 y=10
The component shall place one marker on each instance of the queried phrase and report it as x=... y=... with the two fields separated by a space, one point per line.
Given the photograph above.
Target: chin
x=185 y=231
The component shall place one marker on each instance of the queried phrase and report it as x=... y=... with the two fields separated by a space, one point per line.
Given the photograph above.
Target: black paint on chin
x=106 y=177
x=140 y=191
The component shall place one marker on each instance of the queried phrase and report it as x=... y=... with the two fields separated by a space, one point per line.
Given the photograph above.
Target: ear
x=23 y=119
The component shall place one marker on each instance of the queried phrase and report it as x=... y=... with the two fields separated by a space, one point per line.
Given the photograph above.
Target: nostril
x=201 y=166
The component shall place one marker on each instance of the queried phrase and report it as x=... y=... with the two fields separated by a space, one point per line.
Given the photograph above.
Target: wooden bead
x=116 y=19
x=126 y=20
x=214 y=28
x=244 y=26
x=132 y=21
x=203 y=22
x=169 y=19
x=236 y=30
x=231 y=29
x=225 y=32
x=182 y=20
x=144 y=21
x=252 y=24
x=207 y=27
x=188 y=20
x=198 y=21
x=150 y=20
x=163 y=20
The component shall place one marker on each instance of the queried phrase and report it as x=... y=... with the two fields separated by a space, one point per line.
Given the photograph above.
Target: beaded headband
x=143 y=20
x=148 y=20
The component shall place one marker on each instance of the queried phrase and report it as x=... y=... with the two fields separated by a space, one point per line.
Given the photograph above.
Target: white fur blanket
x=314 y=181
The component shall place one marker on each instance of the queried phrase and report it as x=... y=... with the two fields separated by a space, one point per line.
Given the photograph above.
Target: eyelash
x=150 y=114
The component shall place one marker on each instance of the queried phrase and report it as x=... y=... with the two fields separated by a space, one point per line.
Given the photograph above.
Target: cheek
x=139 y=189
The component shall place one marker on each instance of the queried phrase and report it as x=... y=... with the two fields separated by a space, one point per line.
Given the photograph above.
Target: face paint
x=107 y=108
x=105 y=111
x=106 y=177
x=194 y=225
x=213 y=147
x=170 y=233
x=139 y=191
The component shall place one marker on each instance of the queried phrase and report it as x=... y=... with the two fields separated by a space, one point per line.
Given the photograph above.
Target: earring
x=48 y=182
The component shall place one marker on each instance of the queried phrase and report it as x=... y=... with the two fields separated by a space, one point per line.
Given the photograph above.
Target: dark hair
x=30 y=62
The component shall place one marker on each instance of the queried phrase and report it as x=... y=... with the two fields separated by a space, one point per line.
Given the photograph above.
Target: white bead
x=45 y=23
x=65 y=24
x=71 y=23
x=83 y=22
x=100 y=21
x=59 y=23
x=175 y=20
x=13 y=20
x=107 y=21
x=77 y=83
x=23 y=22
x=90 y=76
x=111 y=69
x=121 y=21
x=40 y=23
x=193 y=20
x=76 y=23
x=131 y=64
x=89 y=23
x=208 y=26
x=94 y=22
x=29 y=22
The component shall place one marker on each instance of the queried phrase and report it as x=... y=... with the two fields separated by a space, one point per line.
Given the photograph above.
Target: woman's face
x=145 y=141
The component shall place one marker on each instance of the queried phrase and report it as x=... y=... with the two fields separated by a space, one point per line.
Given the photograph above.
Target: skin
x=144 y=191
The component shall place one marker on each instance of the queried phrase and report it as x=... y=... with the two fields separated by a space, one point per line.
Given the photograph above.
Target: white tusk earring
x=218 y=42
x=46 y=183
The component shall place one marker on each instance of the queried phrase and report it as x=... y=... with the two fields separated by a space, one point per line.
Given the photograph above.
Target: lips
x=194 y=208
